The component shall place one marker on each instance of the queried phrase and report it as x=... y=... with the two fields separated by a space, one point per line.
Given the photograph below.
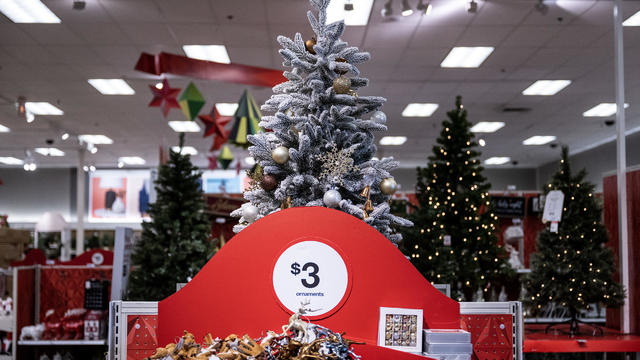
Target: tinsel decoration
x=246 y=119
x=336 y=164
x=191 y=101
x=225 y=158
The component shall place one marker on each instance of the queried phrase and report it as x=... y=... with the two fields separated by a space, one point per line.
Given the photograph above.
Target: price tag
x=313 y=272
x=553 y=206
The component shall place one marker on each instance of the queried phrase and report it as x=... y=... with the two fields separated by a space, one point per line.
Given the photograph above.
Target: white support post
x=621 y=160
x=80 y=202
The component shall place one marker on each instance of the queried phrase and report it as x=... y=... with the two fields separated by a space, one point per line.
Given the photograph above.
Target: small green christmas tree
x=453 y=240
x=572 y=267
x=175 y=243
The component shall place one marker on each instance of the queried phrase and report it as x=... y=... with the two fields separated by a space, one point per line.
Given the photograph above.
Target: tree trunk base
x=574 y=327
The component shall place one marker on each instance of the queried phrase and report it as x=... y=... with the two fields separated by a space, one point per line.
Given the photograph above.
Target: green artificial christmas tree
x=453 y=240
x=572 y=266
x=175 y=243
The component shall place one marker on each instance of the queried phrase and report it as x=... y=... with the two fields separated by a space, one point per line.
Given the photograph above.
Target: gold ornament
x=280 y=155
x=365 y=215
x=388 y=186
x=286 y=203
x=365 y=191
x=309 y=45
x=341 y=85
x=368 y=206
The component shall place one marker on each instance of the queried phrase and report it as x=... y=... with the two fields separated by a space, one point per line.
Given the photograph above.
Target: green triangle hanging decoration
x=246 y=120
x=191 y=101
x=225 y=158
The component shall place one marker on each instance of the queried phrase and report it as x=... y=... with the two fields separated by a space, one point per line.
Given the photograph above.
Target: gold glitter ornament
x=342 y=85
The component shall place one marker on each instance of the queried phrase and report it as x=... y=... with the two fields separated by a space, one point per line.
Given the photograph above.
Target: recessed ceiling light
x=186 y=150
x=481 y=142
x=49 y=151
x=217 y=53
x=184 y=126
x=602 y=110
x=112 y=86
x=4 y=128
x=42 y=108
x=419 y=110
x=359 y=16
x=393 y=140
x=64 y=136
x=227 y=109
x=10 y=160
x=539 y=140
x=487 y=126
x=28 y=11
x=633 y=20
x=466 y=57
x=497 y=160
x=95 y=139
x=131 y=160
x=546 y=87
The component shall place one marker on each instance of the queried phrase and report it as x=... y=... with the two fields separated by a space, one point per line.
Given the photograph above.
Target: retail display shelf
x=6 y=357
x=61 y=342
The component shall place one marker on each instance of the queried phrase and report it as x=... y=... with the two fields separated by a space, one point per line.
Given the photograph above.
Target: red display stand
x=234 y=293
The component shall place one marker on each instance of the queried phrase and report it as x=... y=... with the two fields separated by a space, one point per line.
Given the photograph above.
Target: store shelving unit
x=61 y=342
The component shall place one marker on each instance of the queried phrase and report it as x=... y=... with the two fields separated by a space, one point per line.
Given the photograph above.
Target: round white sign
x=313 y=273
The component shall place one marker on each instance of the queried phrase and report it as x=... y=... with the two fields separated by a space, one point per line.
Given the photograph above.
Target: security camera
x=49 y=141
x=79 y=4
x=514 y=162
x=348 y=5
x=610 y=122
x=553 y=145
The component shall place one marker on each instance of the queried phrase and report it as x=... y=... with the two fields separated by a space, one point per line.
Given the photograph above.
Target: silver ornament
x=280 y=155
x=332 y=198
x=379 y=117
x=388 y=186
x=250 y=213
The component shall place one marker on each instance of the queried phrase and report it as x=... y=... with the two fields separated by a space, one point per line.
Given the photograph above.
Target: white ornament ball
x=332 y=198
x=280 y=155
x=388 y=186
x=379 y=117
x=250 y=213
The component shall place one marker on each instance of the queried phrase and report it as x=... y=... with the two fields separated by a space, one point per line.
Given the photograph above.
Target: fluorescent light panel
x=546 y=87
x=497 y=160
x=28 y=11
x=419 y=110
x=227 y=109
x=95 y=139
x=49 y=151
x=602 y=110
x=111 y=86
x=217 y=53
x=487 y=126
x=539 y=140
x=4 y=129
x=393 y=140
x=42 y=108
x=359 y=16
x=466 y=57
x=10 y=160
x=633 y=20
x=131 y=160
x=186 y=150
x=184 y=126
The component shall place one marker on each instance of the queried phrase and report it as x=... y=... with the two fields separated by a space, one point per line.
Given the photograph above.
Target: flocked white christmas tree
x=320 y=152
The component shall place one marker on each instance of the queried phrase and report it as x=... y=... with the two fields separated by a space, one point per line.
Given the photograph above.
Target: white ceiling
x=52 y=62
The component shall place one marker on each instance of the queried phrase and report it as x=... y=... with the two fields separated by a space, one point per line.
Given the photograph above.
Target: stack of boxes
x=447 y=344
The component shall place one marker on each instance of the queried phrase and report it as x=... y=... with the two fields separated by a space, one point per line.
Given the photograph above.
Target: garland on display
x=299 y=340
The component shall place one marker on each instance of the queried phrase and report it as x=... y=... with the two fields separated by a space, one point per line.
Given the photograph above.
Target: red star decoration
x=213 y=162
x=166 y=95
x=218 y=141
x=214 y=123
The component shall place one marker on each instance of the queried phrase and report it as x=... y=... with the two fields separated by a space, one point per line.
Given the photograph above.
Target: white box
x=449 y=348
x=438 y=336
